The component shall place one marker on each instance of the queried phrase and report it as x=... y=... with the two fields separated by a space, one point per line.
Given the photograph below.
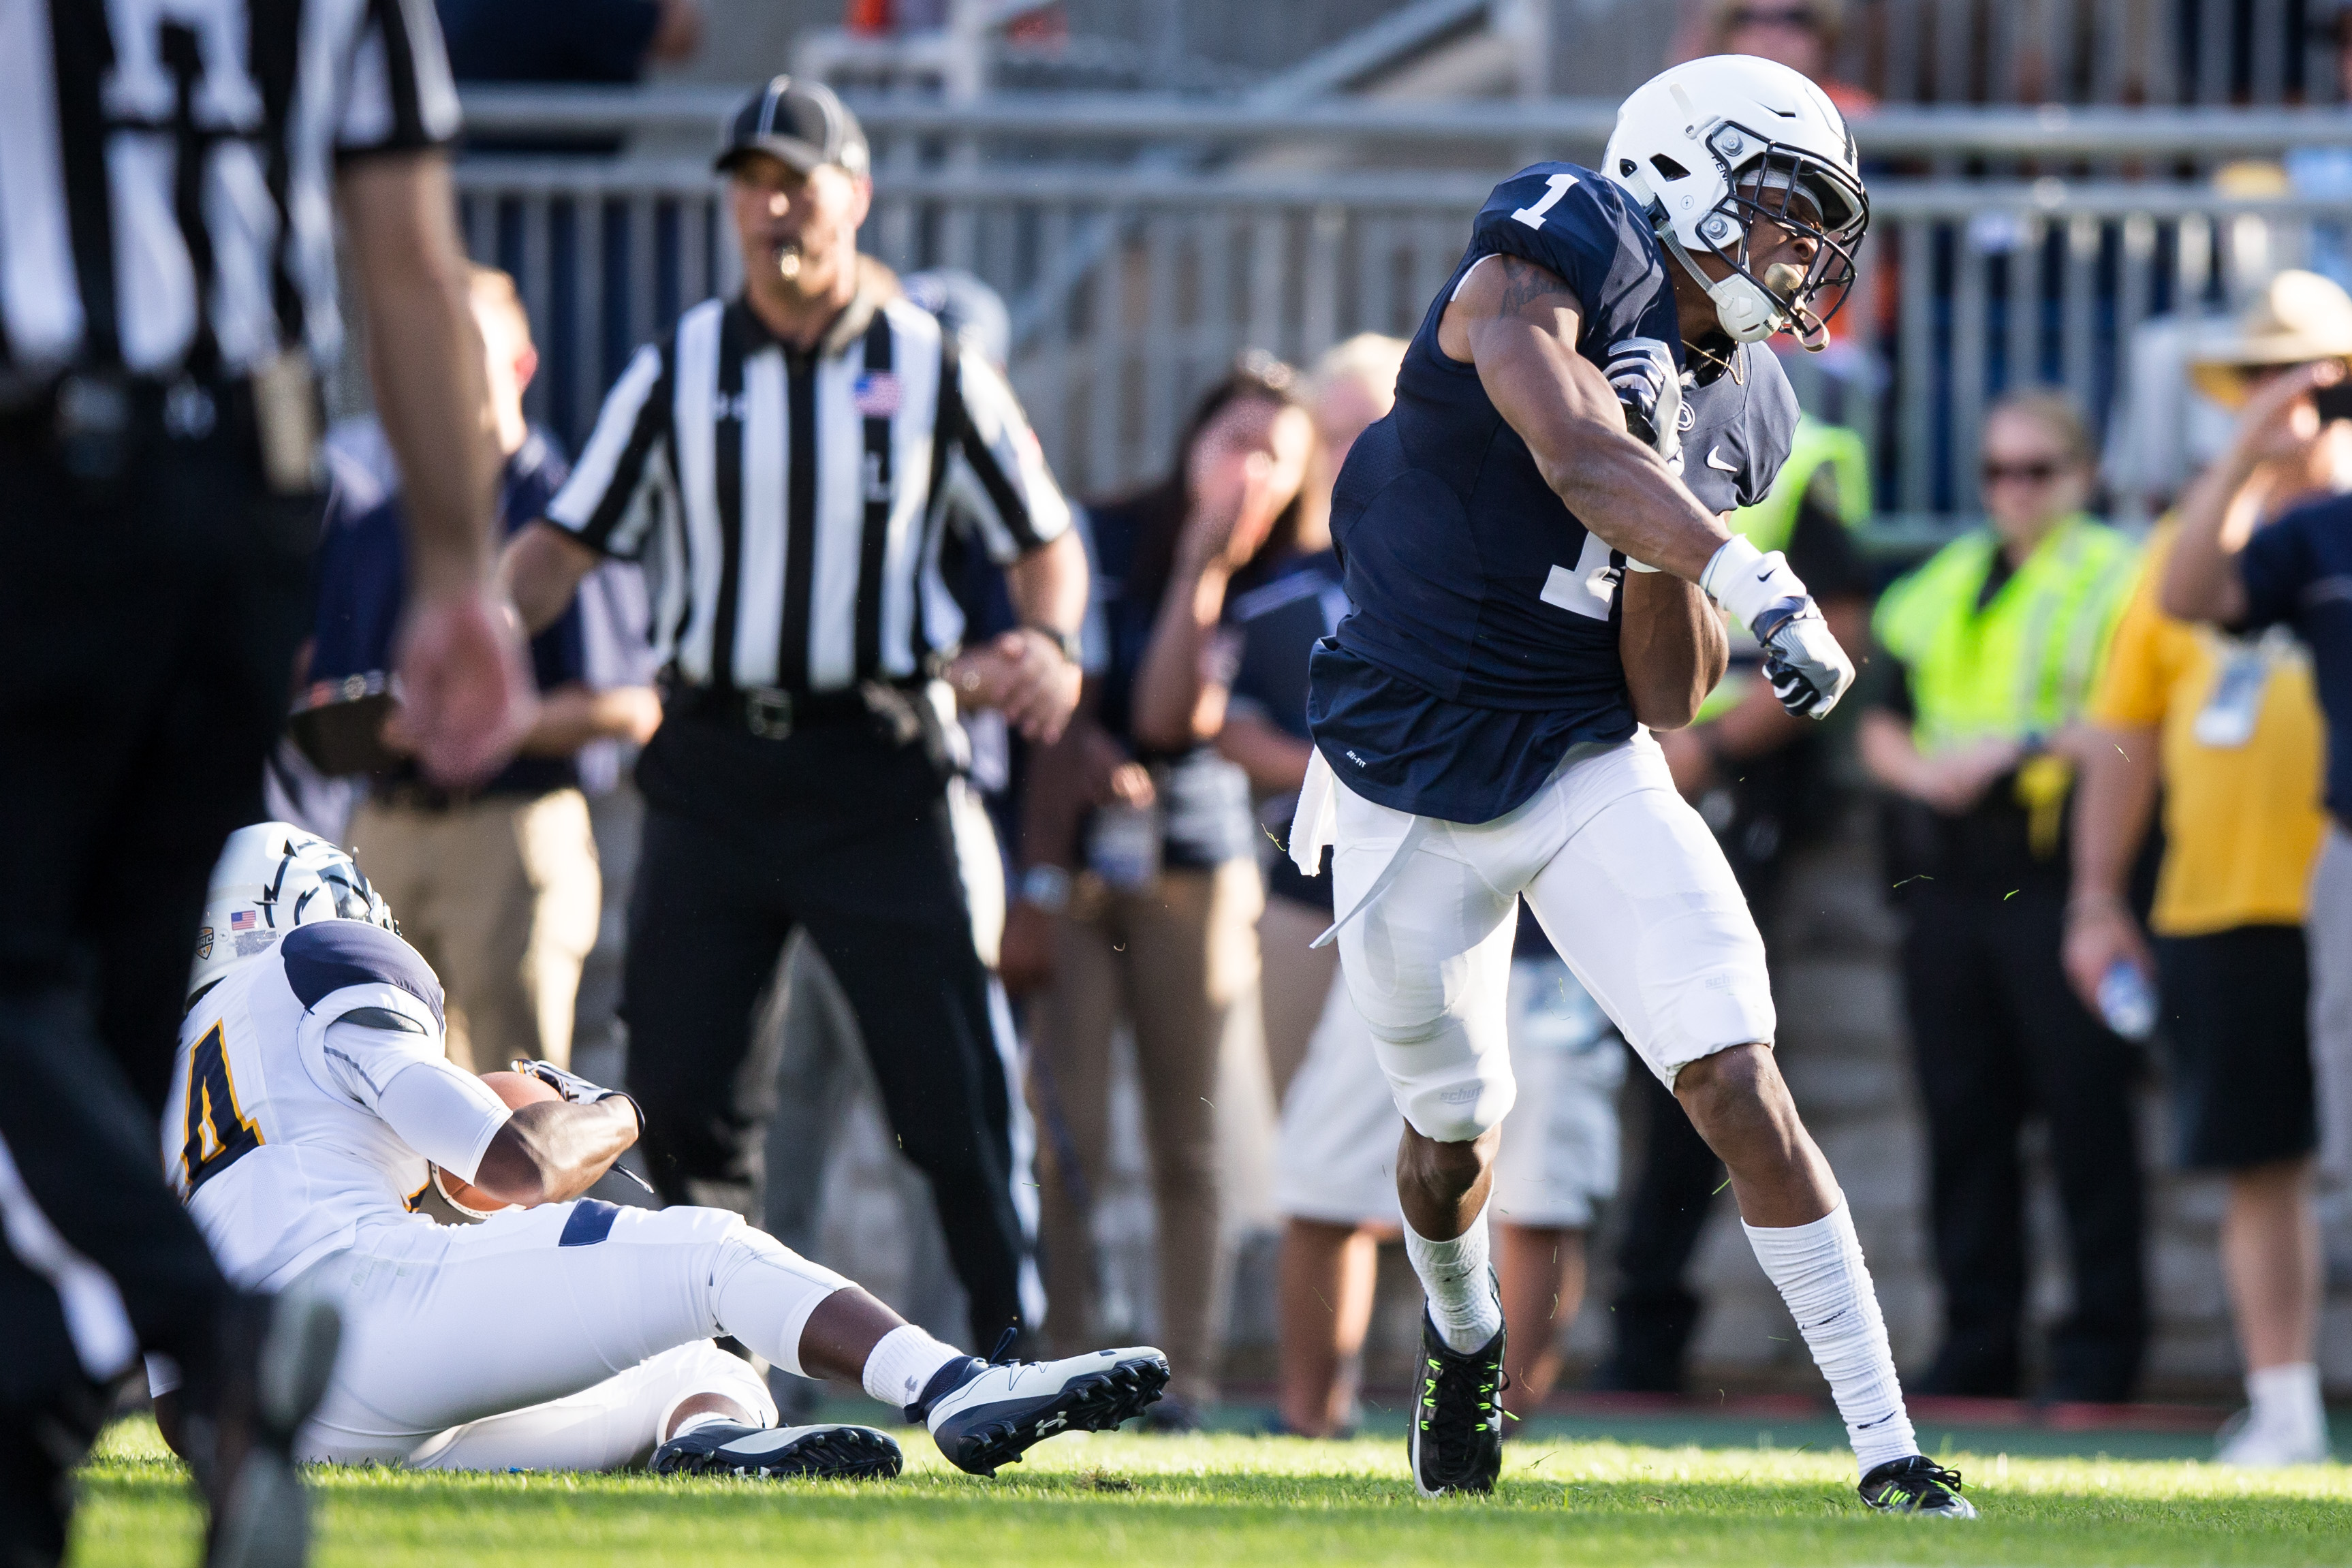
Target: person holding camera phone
x=2229 y=728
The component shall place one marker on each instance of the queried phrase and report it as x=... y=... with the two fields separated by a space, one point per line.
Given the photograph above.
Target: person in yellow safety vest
x=1755 y=775
x=1998 y=640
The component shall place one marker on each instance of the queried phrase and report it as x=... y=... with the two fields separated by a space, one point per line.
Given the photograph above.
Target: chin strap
x=1748 y=312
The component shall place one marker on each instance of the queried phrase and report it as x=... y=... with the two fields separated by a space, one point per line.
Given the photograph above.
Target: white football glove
x=1808 y=669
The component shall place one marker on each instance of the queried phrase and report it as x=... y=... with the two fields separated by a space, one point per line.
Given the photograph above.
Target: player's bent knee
x=762 y=1292
x=691 y=1372
x=1733 y=1090
x=1458 y=1110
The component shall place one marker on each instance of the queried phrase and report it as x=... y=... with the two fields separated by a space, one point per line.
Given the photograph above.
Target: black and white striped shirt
x=166 y=173
x=791 y=506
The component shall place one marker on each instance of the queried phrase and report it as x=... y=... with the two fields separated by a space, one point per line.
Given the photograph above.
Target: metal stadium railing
x=1970 y=286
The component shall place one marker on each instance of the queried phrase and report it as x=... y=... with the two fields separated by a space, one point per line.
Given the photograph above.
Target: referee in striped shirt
x=786 y=463
x=167 y=304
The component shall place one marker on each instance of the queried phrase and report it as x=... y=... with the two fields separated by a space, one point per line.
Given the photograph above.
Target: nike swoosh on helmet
x=1714 y=461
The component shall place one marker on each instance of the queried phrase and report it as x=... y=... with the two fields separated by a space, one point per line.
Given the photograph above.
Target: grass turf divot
x=1223 y=1501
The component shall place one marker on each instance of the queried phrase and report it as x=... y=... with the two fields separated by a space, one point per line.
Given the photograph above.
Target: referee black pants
x=146 y=642
x=1999 y=1038
x=846 y=832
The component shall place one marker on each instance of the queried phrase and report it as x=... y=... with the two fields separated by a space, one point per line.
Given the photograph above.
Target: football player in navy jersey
x=1530 y=540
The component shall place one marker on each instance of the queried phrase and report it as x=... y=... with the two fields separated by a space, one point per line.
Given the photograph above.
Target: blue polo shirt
x=2298 y=574
x=361 y=580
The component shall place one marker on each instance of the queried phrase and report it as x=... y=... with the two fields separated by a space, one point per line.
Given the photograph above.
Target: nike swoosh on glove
x=1808 y=669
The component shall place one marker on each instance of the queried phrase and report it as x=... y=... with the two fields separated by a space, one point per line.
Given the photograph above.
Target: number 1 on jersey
x=1556 y=187
x=218 y=1133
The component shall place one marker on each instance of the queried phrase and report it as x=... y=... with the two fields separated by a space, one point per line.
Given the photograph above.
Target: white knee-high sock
x=1820 y=1275
x=904 y=1363
x=1460 y=1294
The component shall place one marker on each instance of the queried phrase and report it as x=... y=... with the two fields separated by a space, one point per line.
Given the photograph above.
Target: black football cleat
x=986 y=1414
x=277 y=1356
x=1456 y=1441
x=839 y=1453
x=1915 y=1485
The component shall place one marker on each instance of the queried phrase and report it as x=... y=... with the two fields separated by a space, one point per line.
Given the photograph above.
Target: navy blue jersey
x=1483 y=643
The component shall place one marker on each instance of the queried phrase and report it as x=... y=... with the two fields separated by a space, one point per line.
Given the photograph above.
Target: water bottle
x=2127 y=1000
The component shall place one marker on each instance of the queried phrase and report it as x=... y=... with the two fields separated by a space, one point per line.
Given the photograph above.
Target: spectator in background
x=1997 y=640
x=1802 y=35
x=2293 y=573
x=1757 y=777
x=1273 y=628
x=497 y=886
x=1155 y=921
x=2230 y=729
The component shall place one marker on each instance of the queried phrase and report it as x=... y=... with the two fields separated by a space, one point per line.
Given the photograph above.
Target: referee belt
x=774 y=713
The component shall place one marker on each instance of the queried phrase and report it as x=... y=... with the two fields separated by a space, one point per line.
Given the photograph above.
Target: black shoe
x=986 y=1414
x=828 y=1453
x=277 y=1353
x=1915 y=1485
x=1456 y=1441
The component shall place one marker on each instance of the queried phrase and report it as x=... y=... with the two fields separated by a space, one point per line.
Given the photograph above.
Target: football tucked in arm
x=517 y=1089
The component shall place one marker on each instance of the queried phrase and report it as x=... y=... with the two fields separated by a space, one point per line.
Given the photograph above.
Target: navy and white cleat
x=840 y=1453
x=1456 y=1441
x=986 y=1414
x=1915 y=1485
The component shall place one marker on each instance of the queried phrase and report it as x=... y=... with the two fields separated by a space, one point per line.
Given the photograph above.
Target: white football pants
x=1627 y=882
x=622 y=1303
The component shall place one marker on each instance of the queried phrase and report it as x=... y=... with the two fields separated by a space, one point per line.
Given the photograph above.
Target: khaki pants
x=1174 y=962
x=501 y=895
x=1296 y=986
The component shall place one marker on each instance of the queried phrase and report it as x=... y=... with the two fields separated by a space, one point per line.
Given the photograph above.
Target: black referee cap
x=801 y=123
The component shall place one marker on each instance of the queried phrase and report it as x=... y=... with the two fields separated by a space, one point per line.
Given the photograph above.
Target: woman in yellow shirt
x=2230 y=728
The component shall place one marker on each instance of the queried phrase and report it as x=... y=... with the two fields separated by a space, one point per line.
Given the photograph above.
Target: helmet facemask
x=1804 y=195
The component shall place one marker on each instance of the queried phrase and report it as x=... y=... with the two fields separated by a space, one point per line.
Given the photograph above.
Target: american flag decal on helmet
x=876 y=395
x=241 y=920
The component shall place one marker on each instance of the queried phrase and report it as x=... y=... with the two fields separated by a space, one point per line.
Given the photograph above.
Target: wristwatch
x=1047 y=887
x=1072 y=646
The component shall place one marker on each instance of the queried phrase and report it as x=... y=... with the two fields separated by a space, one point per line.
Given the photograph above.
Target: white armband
x=1747 y=582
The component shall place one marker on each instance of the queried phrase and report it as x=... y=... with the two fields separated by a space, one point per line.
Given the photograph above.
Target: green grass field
x=1231 y=1500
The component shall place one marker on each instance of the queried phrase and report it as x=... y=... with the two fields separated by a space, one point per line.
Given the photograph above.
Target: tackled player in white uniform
x=312 y=1099
x=1478 y=716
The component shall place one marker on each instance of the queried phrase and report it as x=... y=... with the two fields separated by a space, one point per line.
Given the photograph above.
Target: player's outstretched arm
x=1517 y=322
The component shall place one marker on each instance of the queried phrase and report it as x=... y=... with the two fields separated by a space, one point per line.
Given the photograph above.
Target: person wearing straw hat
x=2264 y=551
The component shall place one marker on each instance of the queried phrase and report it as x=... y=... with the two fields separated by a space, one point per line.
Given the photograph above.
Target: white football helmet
x=270 y=877
x=1710 y=146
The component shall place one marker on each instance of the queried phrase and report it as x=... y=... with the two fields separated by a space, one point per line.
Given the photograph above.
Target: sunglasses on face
x=2039 y=472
